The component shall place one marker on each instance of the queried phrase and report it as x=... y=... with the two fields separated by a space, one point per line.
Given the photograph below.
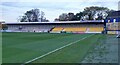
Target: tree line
x=33 y=15
x=89 y=13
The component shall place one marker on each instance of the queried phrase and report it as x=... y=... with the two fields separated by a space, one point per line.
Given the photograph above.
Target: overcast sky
x=12 y=9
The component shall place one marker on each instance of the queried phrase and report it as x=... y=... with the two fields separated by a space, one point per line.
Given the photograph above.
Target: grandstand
x=113 y=23
x=81 y=29
x=27 y=27
x=57 y=27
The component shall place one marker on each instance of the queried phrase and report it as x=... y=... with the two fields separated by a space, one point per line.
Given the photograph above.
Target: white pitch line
x=54 y=50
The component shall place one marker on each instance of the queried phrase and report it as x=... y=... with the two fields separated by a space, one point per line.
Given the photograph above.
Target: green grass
x=22 y=47
x=0 y=48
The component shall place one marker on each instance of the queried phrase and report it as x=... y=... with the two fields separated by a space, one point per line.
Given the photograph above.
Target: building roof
x=59 y=22
x=114 y=14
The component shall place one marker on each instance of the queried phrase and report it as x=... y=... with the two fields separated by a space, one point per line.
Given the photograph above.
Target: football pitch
x=47 y=47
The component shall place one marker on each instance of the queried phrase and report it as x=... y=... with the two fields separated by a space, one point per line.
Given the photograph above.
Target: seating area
x=75 y=29
x=37 y=28
x=84 y=29
x=29 y=28
x=95 y=29
x=56 y=29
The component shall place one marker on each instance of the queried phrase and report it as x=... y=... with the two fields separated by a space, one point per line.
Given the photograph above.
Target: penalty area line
x=55 y=50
